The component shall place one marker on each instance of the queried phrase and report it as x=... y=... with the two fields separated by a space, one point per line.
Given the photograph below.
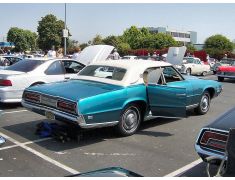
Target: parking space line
x=46 y=158
x=180 y=171
x=12 y=112
x=26 y=143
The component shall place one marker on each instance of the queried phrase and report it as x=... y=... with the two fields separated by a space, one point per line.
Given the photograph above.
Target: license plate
x=50 y=115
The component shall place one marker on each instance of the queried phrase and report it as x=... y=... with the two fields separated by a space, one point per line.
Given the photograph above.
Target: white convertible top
x=135 y=69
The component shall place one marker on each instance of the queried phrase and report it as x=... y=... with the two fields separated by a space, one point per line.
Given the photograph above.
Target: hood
x=94 y=53
x=175 y=55
x=74 y=89
x=227 y=68
x=224 y=121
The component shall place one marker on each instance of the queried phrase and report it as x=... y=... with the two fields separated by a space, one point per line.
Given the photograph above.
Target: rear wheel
x=204 y=73
x=204 y=104
x=220 y=79
x=129 y=120
x=188 y=71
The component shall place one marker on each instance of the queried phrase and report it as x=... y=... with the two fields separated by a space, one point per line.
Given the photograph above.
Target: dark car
x=212 y=139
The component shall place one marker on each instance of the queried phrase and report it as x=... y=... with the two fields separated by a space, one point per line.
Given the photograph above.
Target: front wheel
x=129 y=120
x=188 y=71
x=204 y=104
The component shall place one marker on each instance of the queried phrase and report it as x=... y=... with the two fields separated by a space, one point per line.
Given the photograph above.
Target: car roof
x=134 y=70
x=129 y=64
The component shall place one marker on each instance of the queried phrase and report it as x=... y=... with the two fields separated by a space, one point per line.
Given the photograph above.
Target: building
x=181 y=36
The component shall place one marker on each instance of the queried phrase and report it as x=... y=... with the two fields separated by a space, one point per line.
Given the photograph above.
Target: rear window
x=25 y=65
x=109 y=72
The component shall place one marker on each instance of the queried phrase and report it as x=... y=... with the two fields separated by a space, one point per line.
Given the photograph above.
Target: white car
x=194 y=66
x=14 y=79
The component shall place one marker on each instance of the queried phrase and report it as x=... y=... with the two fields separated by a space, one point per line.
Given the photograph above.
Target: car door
x=164 y=99
x=55 y=72
x=71 y=68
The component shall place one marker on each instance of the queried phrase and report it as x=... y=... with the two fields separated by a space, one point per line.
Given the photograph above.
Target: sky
x=87 y=20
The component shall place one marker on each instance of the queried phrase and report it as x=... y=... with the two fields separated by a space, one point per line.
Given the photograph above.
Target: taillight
x=32 y=97
x=66 y=106
x=5 y=82
x=214 y=140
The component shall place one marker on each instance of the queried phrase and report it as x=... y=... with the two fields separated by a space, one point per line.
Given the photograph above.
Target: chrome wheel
x=130 y=120
x=205 y=103
x=188 y=72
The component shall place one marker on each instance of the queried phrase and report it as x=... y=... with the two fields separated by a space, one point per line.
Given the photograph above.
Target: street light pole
x=65 y=29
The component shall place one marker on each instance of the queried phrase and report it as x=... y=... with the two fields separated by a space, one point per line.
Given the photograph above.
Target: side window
x=72 y=67
x=171 y=75
x=153 y=76
x=55 y=69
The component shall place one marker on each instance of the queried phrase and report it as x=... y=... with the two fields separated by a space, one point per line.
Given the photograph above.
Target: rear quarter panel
x=107 y=107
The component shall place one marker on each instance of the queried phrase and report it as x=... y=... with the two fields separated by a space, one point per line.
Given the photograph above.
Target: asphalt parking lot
x=162 y=147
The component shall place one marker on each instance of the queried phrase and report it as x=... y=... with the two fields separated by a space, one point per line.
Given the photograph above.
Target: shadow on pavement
x=27 y=131
x=8 y=106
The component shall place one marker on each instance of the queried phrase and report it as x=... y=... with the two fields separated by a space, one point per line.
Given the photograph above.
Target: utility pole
x=65 y=31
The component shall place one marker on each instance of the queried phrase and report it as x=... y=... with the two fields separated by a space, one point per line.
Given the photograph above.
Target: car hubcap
x=131 y=119
x=188 y=72
x=205 y=103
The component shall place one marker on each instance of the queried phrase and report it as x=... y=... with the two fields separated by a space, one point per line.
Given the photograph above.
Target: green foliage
x=112 y=40
x=191 y=48
x=97 y=40
x=123 y=48
x=83 y=45
x=217 y=46
x=50 y=32
x=142 y=38
x=23 y=39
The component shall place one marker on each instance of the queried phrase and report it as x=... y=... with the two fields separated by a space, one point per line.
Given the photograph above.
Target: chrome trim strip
x=31 y=106
x=98 y=125
x=58 y=97
x=79 y=119
x=199 y=150
x=225 y=76
x=192 y=106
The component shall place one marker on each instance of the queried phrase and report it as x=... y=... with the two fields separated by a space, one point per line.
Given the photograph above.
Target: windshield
x=25 y=65
x=109 y=72
x=189 y=60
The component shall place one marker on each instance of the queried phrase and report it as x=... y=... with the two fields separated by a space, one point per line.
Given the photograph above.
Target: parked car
x=129 y=57
x=8 y=60
x=194 y=66
x=227 y=71
x=222 y=62
x=213 y=137
x=128 y=93
x=14 y=79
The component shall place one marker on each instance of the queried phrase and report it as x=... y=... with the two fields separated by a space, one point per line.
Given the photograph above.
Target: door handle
x=67 y=78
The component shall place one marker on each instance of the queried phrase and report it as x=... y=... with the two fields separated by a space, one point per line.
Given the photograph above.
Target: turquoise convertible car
x=121 y=93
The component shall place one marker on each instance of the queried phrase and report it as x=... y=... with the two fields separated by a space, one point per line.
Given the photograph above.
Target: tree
x=132 y=36
x=123 y=48
x=218 y=45
x=23 y=39
x=112 y=40
x=50 y=32
x=191 y=48
x=97 y=40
